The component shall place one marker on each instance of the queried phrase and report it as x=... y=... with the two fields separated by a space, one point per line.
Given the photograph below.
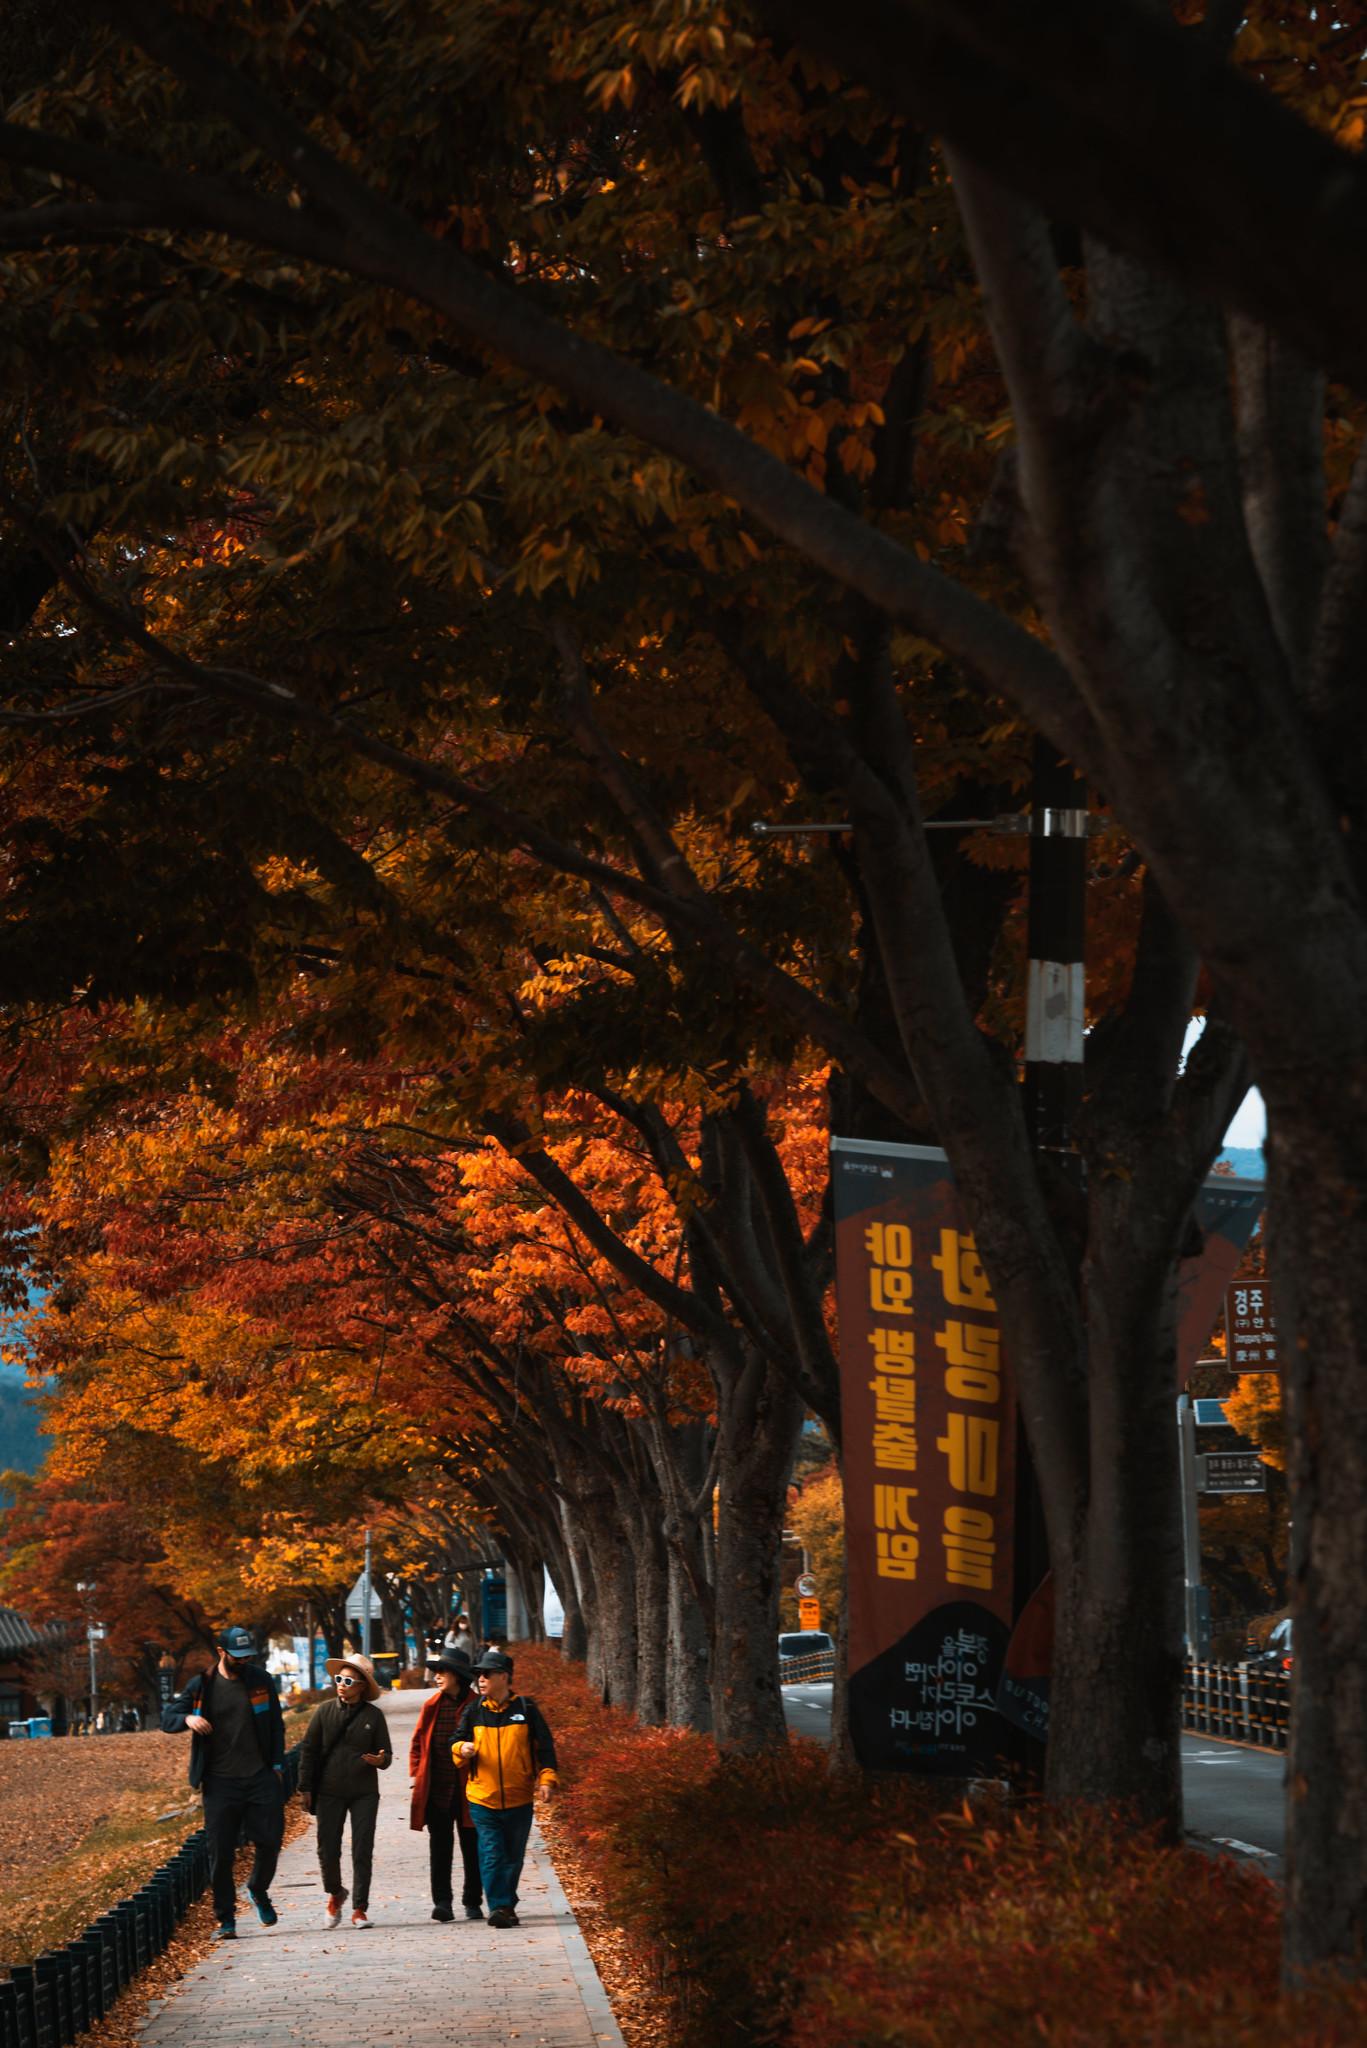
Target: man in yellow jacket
x=503 y=1741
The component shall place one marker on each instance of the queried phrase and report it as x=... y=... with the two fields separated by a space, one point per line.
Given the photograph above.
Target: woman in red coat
x=439 y=1786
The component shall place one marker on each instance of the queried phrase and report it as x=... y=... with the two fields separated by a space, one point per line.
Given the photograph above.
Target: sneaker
x=360 y=1919
x=474 y=1912
x=334 y=1913
x=226 y=1930
x=442 y=1913
x=503 y=1916
x=265 y=1911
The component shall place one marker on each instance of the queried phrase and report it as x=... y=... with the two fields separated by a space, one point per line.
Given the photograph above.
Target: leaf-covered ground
x=82 y=1823
x=85 y=1821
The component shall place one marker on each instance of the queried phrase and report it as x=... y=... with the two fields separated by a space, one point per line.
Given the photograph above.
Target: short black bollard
x=91 y=1946
x=52 y=1979
x=72 y=1960
x=25 y=1982
x=134 y=1937
x=116 y=1949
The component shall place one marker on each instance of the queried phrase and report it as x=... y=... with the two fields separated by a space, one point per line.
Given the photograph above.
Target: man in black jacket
x=236 y=1753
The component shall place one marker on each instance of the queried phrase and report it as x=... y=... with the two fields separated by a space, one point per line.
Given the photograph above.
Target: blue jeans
x=502 y=1835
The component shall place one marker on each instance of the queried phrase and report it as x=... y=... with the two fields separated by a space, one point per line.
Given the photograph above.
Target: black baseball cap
x=239 y=1643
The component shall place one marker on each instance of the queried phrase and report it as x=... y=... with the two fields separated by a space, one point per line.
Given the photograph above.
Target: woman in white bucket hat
x=344 y=1751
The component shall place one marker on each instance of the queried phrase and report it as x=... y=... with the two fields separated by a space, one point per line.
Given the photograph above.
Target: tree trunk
x=1115 y=1698
x=574 y=1635
x=613 y=1628
x=759 y=1416
x=652 y=1603
x=530 y=1574
x=842 y=1747
x=391 y=1618
x=1318 y=1157
x=688 y=1701
x=576 y=1548
x=572 y=1644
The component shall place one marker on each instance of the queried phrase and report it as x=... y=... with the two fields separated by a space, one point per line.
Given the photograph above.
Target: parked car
x=1277 y=1653
x=805 y=1642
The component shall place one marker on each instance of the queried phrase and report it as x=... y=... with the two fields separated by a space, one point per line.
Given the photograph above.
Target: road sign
x=806 y=1586
x=1231 y=1472
x=809 y=1614
x=1208 y=1413
x=1251 y=1328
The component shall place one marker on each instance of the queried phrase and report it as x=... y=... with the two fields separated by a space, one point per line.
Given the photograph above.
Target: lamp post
x=94 y=1634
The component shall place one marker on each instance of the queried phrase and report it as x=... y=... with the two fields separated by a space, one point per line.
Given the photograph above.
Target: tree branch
x=1244 y=202
x=376 y=239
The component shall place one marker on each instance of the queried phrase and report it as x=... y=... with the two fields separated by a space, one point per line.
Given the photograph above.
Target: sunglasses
x=347 y=1678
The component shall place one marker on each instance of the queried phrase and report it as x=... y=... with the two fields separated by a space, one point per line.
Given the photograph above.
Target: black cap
x=494 y=1660
x=239 y=1643
x=450 y=1660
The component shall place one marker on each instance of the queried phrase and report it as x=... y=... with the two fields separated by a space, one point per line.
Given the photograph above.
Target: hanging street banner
x=928 y=1410
x=1251 y=1329
x=1227 y=1212
x=929 y=1419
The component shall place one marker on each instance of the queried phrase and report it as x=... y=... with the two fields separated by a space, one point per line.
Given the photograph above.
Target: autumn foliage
x=777 y=1900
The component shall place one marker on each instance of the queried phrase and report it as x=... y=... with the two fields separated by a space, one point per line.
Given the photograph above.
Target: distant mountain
x=21 y=1447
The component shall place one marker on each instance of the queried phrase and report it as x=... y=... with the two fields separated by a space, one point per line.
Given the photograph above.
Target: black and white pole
x=1055 y=989
x=1054 y=1020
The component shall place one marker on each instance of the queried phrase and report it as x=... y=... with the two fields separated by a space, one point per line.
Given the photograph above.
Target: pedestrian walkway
x=408 y=1981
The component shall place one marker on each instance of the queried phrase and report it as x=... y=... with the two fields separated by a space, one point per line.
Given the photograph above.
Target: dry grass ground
x=84 y=1822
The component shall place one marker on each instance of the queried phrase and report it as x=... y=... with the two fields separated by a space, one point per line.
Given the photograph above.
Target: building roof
x=15 y=1633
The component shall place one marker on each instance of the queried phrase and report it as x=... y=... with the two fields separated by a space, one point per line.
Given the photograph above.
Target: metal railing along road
x=806 y=1670
x=1238 y=1702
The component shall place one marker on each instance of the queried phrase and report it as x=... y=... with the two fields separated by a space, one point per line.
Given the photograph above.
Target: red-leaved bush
x=785 y=1902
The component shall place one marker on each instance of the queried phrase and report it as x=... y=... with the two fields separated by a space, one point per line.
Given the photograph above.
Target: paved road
x=1237 y=1795
x=1233 y=1794
x=808 y=1708
x=407 y=1981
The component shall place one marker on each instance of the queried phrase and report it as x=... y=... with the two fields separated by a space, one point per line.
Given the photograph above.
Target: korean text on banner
x=929 y=1443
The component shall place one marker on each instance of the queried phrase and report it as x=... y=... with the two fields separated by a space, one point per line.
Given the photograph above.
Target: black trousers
x=233 y=1806
x=441 y=1844
x=331 y=1813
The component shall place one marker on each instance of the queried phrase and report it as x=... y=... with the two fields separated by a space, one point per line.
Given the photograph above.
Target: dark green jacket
x=338 y=1737
x=198 y=1698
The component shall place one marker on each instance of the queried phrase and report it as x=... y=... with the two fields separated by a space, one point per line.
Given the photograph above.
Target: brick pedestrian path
x=408 y=1981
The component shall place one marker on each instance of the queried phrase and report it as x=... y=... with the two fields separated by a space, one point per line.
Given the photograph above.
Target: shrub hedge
x=785 y=1902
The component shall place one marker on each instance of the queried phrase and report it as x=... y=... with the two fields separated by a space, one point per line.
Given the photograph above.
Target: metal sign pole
x=1197 y=1613
x=365 y=1600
